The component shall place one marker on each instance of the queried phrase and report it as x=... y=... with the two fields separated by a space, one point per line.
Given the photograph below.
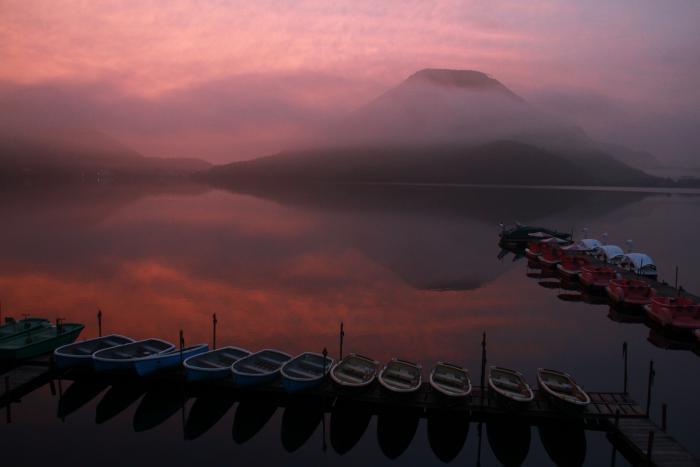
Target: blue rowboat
x=169 y=359
x=259 y=368
x=305 y=371
x=13 y=328
x=215 y=364
x=79 y=354
x=122 y=357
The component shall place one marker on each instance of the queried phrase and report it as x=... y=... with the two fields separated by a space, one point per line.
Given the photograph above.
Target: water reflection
x=565 y=442
x=447 y=433
x=411 y=271
x=509 y=440
x=300 y=420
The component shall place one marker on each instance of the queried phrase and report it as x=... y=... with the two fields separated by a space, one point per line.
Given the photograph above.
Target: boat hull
x=292 y=386
x=66 y=360
x=40 y=347
x=150 y=365
x=242 y=380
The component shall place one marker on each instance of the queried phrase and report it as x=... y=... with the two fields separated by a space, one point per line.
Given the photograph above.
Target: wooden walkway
x=632 y=436
x=22 y=380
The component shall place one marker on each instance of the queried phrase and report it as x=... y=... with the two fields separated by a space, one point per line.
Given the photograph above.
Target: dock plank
x=665 y=451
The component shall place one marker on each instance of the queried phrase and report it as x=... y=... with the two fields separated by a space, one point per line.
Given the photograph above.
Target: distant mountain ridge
x=447 y=126
x=79 y=153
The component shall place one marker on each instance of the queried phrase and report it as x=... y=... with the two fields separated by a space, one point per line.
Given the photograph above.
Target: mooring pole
x=650 y=382
x=664 y=416
x=182 y=344
x=99 y=323
x=650 y=445
x=483 y=365
x=342 y=336
x=624 y=356
x=325 y=359
x=677 y=292
x=213 y=332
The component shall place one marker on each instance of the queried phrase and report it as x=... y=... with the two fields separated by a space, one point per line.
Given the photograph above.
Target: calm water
x=413 y=272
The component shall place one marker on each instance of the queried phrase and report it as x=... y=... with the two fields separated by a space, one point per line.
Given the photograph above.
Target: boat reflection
x=299 y=422
x=79 y=393
x=625 y=315
x=396 y=427
x=565 y=442
x=252 y=414
x=118 y=398
x=161 y=401
x=349 y=421
x=447 y=433
x=206 y=411
x=509 y=440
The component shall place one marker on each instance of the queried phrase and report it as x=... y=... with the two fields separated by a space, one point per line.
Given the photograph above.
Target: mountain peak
x=465 y=79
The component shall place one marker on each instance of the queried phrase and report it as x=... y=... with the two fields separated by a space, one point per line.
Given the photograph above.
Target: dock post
x=676 y=283
x=483 y=365
x=325 y=359
x=650 y=382
x=624 y=356
x=342 y=336
x=99 y=323
x=664 y=416
x=650 y=445
x=182 y=344
x=213 y=337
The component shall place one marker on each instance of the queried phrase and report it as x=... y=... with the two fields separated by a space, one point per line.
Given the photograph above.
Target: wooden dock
x=22 y=380
x=632 y=437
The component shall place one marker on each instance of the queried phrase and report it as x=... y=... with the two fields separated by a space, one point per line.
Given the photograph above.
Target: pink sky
x=312 y=56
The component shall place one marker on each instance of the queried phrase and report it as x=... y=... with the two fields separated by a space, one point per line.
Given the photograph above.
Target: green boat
x=13 y=328
x=41 y=341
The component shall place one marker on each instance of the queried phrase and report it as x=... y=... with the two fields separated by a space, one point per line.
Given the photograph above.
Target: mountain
x=81 y=153
x=446 y=126
x=500 y=162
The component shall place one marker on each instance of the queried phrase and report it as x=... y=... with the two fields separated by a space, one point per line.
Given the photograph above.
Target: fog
x=246 y=116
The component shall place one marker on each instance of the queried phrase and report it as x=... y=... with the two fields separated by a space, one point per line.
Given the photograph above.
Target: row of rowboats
x=353 y=373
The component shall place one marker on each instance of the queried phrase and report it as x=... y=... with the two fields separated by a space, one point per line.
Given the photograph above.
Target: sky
x=227 y=80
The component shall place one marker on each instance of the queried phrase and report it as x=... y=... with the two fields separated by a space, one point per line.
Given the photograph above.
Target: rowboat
x=597 y=277
x=123 y=357
x=305 y=371
x=80 y=353
x=169 y=359
x=215 y=364
x=259 y=368
x=13 y=328
x=681 y=313
x=40 y=341
x=354 y=371
x=510 y=386
x=400 y=376
x=629 y=292
x=561 y=388
x=450 y=380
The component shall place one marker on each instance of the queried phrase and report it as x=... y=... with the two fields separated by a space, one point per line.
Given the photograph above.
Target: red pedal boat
x=534 y=249
x=551 y=254
x=570 y=266
x=597 y=277
x=675 y=312
x=630 y=292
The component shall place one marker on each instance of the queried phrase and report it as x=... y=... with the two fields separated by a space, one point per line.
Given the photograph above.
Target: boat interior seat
x=508 y=384
x=350 y=377
x=449 y=380
x=300 y=373
x=400 y=380
x=560 y=386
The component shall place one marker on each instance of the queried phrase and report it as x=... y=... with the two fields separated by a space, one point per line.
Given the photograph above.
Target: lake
x=411 y=271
